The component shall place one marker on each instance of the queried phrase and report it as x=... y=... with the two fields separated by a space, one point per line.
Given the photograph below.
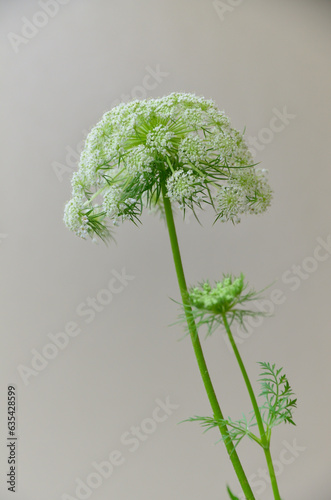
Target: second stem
x=264 y=441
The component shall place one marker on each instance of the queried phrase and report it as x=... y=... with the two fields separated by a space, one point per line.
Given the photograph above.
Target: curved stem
x=265 y=441
x=198 y=350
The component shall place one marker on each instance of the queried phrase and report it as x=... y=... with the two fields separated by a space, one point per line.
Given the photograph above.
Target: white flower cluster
x=181 y=142
x=184 y=185
x=138 y=160
x=112 y=202
x=247 y=192
x=159 y=139
x=192 y=149
x=116 y=205
x=74 y=219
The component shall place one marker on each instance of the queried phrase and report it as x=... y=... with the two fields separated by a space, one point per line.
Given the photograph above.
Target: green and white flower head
x=180 y=143
x=226 y=299
x=220 y=299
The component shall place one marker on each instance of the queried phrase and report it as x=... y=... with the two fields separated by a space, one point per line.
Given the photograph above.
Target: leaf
x=278 y=394
x=231 y=494
x=235 y=430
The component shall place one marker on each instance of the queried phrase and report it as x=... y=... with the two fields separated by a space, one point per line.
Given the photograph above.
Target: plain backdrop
x=65 y=64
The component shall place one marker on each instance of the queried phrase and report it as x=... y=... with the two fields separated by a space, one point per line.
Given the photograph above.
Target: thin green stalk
x=198 y=349
x=264 y=440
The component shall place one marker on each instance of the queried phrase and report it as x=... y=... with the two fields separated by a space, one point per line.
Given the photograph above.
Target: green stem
x=94 y=195
x=198 y=350
x=264 y=439
x=272 y=473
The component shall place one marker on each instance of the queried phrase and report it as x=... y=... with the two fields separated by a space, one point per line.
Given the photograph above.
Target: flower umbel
x=210 y=305
x=180 y=141
x=221 y=298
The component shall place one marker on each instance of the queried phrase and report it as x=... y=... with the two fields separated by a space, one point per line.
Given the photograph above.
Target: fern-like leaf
x=236 y=430
x=278 y=393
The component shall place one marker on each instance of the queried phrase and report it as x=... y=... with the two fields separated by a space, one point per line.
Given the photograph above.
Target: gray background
x=257 y=57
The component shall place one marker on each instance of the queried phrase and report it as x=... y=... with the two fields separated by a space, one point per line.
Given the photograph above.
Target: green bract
x=180 y=141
